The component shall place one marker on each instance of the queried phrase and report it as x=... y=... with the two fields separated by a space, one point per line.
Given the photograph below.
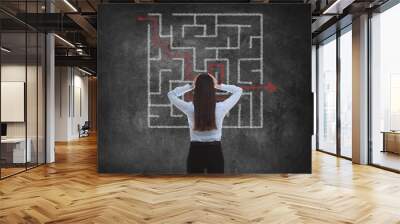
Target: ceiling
x=76 y=21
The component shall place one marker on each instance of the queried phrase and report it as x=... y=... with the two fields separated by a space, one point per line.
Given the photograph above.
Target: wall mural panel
x=146 y=50
x=223 y=44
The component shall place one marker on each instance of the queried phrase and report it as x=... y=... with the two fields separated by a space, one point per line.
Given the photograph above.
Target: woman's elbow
x=170 y=95
x=240 y=90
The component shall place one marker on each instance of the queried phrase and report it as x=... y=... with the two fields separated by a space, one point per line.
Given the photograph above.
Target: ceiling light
x=5 y=50
x=65 y=41
x=70 y=5
x=329 y=9
x=79 y=51
x=84 y=71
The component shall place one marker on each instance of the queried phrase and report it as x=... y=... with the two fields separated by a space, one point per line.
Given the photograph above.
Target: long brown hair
x=204 y=103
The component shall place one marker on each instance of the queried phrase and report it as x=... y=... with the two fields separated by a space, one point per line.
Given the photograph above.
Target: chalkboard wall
x=145 y=50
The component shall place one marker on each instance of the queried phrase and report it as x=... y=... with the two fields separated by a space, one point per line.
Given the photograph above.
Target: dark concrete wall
x=275 y=138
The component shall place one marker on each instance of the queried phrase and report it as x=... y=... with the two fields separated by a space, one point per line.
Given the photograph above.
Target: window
x=385 y=88
x=327 y=95
x=314 y=90
x=346 y=93
x=334 y=106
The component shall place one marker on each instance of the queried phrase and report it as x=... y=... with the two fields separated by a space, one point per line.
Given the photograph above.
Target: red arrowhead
x=271 y=88
x=141 y=18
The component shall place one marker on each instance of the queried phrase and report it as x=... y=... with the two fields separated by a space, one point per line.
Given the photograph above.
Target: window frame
x=334 y=37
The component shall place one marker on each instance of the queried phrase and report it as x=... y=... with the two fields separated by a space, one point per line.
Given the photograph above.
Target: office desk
x=391 y=141
x=15 y=148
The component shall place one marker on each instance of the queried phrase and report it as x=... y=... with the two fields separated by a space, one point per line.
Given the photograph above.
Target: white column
x=50 y=91
x=360 y=90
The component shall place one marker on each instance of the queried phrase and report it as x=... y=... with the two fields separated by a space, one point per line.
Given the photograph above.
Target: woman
x=205 y=117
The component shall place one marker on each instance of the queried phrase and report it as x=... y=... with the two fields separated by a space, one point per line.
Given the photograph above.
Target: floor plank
x=71 y=191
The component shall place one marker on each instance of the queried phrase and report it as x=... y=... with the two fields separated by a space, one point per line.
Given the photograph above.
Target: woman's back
x=221 y=109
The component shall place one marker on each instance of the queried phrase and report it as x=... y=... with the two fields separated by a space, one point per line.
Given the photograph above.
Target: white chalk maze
x=181 y=45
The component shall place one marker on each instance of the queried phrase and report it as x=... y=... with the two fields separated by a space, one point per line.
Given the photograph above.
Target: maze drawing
x=227 y=45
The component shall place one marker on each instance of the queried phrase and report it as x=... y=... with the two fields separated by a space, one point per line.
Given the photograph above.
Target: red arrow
x=269 y=87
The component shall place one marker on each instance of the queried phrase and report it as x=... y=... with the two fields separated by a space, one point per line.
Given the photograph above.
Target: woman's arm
x=174 y=95
x=233 y=99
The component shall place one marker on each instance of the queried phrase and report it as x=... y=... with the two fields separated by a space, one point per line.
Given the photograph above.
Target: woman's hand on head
x=194 y=81
x=215 y=81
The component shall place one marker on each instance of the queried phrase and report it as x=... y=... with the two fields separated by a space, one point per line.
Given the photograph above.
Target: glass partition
x=13 y=94
x=22 y=101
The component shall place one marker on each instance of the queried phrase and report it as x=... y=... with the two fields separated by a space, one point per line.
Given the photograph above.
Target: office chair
x=84 y=130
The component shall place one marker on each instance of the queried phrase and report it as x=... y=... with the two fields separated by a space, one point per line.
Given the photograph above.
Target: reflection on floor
x=386 y=159
x=10 y=169
x=71 y=191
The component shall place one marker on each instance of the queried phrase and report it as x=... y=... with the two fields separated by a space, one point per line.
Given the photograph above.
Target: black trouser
x=205 y=157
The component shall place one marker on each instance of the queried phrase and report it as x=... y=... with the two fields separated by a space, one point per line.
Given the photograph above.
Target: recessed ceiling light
x=5 y=50
x=338 y=6
x=70 y=5
x=64 y=40
x=84 y=71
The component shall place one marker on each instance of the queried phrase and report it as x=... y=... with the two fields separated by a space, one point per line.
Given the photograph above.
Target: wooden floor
x=71 y=191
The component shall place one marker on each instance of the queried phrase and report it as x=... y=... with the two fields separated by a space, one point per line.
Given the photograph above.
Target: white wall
x=80 y=112
x=13 y=101
x=71 y=102
x=62 y=81
x=16 y=73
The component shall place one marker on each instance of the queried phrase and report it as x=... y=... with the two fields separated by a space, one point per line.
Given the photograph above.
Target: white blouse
x=221 y=109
